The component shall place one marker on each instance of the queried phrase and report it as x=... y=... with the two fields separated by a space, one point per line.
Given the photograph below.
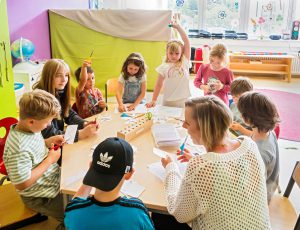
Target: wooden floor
x=289 y=150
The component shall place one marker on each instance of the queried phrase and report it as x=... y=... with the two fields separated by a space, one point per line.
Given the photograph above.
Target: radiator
x=296 y=66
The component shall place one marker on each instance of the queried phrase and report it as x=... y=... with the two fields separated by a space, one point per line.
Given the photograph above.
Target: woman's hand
x=166 y=161
x=185 y=157
x=151 y=104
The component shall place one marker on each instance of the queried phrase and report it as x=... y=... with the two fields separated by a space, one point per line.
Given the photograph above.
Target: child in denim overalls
x=132 y=82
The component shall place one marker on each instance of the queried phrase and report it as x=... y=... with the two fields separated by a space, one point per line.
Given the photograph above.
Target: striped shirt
x=22 y=153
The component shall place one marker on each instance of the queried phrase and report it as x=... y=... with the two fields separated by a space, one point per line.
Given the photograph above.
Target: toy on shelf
x=132 y=130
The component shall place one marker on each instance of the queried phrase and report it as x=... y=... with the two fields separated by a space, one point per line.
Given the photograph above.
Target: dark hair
x=78 y=71
x=240 y=85
x=136 y=59
x=259 y=111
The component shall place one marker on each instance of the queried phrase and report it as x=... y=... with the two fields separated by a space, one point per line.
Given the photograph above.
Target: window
x=260 y=17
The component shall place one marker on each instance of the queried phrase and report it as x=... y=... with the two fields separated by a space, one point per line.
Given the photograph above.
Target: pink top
x=87 y=102
x=206 y=76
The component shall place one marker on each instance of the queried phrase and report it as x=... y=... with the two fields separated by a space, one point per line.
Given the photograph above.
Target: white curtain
x=136 y=4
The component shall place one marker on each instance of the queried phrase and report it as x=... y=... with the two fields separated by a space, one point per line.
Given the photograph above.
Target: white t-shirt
x=176 y=84
x=132 y=79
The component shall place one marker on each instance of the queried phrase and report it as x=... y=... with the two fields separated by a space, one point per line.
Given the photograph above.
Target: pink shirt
x=206 y=75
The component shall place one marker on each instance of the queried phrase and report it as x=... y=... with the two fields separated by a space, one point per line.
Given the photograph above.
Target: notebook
x=165 y=135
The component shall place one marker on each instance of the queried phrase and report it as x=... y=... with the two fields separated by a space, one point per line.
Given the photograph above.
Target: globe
x=22 y=49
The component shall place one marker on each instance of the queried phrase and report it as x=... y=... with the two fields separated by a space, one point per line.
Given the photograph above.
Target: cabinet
x=27 y=73
x=261 y=64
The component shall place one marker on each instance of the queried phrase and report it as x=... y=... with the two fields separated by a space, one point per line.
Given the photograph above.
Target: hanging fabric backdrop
x=75 y=34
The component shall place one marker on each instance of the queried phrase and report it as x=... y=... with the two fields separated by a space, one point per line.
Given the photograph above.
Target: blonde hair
x=173 y=46
x=39 y=105
x=46 y=83
x=213 y=118
x=219 y=50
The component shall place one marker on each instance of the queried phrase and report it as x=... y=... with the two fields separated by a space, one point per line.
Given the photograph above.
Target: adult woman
x=224 y=188
x=55 y=79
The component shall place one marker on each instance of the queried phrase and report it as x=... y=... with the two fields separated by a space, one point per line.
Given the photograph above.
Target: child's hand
x=122 y=108
x=166 y=161
x=131 y=107
x=88 y=131
x=56 y=140
x=53 y=155
x=236 y=126
x=205 y=88
x=185 y=157
x=151 y=104
x=86 y=63
x=102 y=104
x=218 y=85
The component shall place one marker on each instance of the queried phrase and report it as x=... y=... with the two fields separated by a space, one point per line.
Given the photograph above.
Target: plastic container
x=19 y=91
x=198 y=57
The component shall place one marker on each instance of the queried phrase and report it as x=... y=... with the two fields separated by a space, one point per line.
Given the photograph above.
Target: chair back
x=111 y=87
x=5 y=123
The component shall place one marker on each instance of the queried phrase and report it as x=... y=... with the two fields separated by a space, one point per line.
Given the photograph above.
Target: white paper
x=166 y=111
x=70 y=134
x=165 y=135
x=160 y=153
x=132 y=188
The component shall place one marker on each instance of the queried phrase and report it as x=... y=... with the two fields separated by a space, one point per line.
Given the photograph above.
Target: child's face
x=90 y=83
x=216 y=63
x=132 y=69
x=236 y=98
x=174 y=56
x=192 y=126
x=61 y=78
x=39 y=125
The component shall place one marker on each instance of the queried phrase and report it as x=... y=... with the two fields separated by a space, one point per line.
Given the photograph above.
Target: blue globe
x=22 y=49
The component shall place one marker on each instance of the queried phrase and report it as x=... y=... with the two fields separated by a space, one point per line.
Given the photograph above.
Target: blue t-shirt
x=122 y=213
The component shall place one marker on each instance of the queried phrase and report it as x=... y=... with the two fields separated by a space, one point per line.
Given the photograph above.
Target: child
x=261 y=114
x=55 y=79
x=30 y=160
x=174 y=72
x=89 y=100
x=110 y=167
x=215 y=78
x=239 y=86
x=132 y=82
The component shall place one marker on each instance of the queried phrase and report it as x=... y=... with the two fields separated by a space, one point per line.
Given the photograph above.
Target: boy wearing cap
x=110 y=167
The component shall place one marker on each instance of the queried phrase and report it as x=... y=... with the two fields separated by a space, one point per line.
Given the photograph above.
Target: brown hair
x=218 y=50
x=78 y=71
x=240 y=85
x=213 y=118
x=47 y=83
x=258 y=111
x=39 y=105
x=136 y=59
x=173 y=46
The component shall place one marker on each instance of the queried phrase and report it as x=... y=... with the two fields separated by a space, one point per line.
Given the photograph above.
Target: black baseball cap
x=112 y=158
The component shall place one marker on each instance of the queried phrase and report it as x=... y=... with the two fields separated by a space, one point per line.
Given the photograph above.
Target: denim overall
x=131 y=91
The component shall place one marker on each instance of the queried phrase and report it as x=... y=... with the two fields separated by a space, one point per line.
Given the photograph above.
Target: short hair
x=218 y=50
x=38 y=104
x=213 y=117
x=240 y=85
x=46 y=83
x=173 y=45
x=78 y=71
x=136 y=59
x=258 y=111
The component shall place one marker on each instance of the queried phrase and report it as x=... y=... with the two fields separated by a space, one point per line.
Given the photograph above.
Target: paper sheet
x=160 y=153
x=132 y=188
x=70 y=133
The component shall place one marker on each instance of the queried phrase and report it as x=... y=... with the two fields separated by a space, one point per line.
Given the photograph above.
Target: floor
x=289 y=150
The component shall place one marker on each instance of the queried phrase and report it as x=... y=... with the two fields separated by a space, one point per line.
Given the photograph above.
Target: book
x=165 y=135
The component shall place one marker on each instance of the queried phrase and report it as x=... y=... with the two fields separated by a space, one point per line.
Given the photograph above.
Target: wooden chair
x=111 y=87
x=14 y=214
x=282 y=213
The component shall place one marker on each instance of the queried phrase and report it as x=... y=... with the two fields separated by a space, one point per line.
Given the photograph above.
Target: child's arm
x=119 y=94
x=185 y=39
x=198 y=81
x=38 y=172
x=238 y=127
x=157 y=88
x=83 y=76
x=140 y=97
x=57 y=140
x=84 y=191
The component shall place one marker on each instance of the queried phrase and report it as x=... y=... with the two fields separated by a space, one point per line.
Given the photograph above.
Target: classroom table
x=76 y=158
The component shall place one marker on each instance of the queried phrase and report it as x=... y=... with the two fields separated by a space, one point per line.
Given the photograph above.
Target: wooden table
x=76 y=157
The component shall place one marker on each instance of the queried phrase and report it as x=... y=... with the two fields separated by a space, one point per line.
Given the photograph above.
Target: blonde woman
x=224 y=188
